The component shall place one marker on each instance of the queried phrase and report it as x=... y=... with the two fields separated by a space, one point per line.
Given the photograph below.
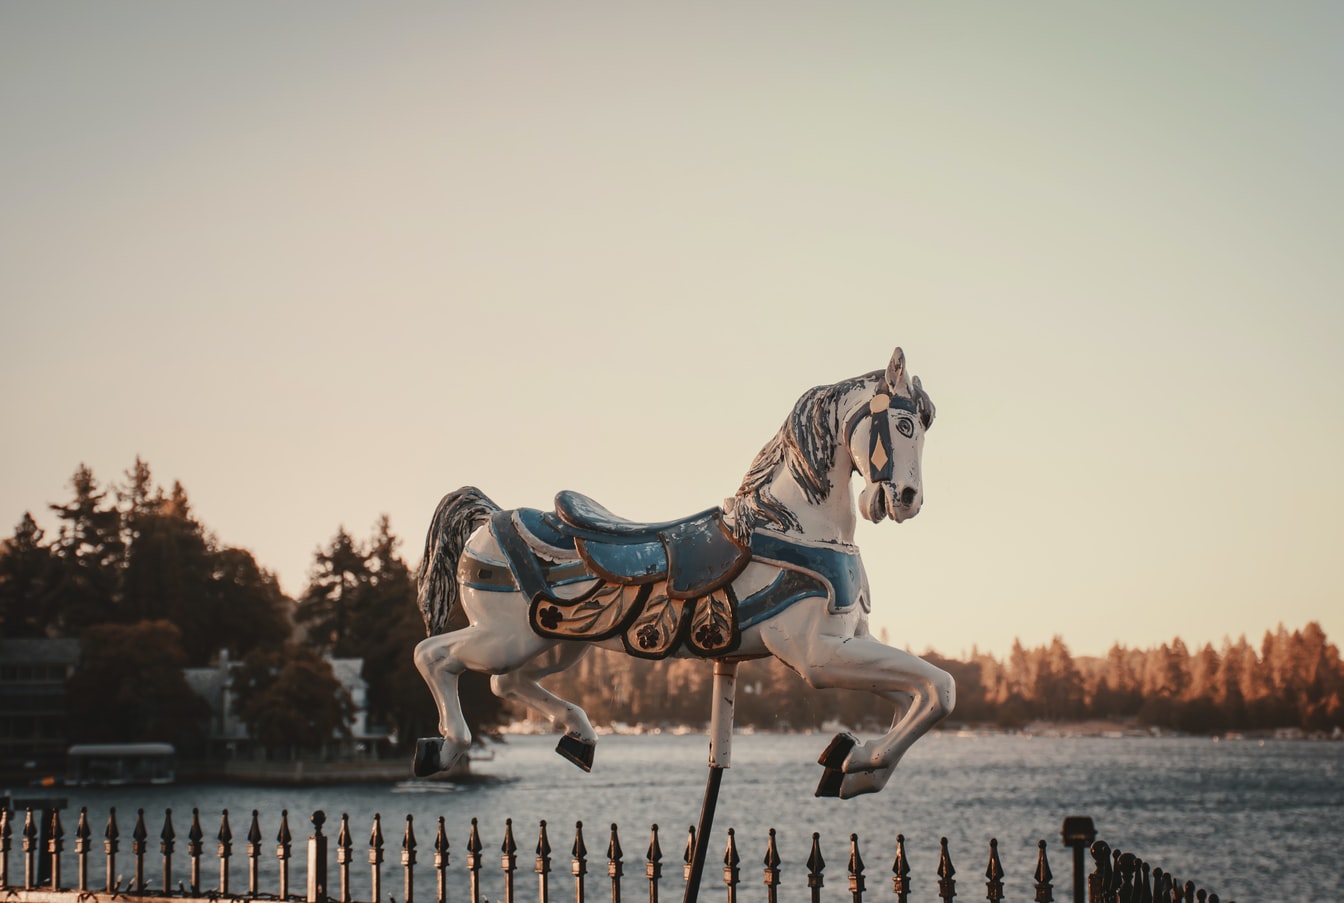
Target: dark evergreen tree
x=29 y=581
x=244 y=608
x=89 y=550
x=340 y=573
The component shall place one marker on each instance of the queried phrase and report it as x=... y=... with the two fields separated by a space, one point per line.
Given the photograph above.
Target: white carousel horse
x=774 y=572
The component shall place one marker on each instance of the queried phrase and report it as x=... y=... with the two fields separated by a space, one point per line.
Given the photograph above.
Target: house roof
x=40 y=650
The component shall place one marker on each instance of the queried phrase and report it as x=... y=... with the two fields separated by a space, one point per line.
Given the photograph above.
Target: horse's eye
x=906 y=426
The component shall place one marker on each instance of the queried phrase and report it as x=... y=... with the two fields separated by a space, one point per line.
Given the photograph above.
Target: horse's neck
x=831 y=520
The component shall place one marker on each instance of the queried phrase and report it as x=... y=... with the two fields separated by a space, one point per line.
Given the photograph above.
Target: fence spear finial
x=900 y=871
x=771 y=863
x=1043 y=876
x=856 y=883
x=815 y=867
x=947 y=884
x=653 y=863
x=731 y=871
x=994 y=873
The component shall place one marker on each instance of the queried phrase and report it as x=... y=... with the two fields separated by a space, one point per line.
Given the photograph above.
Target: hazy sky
x=321 y=261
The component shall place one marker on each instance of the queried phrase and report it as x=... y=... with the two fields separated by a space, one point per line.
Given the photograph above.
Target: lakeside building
x=227 y=735
x=33 y=673
x=34 y=728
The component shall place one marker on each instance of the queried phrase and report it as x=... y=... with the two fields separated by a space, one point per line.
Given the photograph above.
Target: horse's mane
x=806 y=444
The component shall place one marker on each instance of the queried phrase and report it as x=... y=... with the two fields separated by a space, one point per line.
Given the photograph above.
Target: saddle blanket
x=572 y=599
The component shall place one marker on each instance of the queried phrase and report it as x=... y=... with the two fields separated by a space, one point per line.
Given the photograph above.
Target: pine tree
x=89 y=550
x=28 y=582
x=340 y=572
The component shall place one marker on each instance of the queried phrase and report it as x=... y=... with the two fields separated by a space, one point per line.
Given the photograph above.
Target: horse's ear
x=924 y=404
x=895 y=378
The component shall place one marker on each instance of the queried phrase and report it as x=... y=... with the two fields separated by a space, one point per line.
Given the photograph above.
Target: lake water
x=1249 y=819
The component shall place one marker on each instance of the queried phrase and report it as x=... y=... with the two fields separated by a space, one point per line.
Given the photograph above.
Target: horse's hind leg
x=441 y=660
x=522 y=685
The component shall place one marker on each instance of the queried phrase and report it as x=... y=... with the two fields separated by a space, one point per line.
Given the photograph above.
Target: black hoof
x=427 y=751
x=830 y=782
x=577 y=751
x=834 y=754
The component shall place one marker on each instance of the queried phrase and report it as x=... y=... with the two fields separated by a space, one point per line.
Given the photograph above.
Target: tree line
x=149 y=591
x=1293 y=680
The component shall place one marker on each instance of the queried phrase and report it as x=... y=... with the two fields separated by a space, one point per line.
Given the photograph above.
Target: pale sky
x=322 y=261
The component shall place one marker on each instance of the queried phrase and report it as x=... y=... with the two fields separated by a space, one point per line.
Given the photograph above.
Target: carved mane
x=806 y=444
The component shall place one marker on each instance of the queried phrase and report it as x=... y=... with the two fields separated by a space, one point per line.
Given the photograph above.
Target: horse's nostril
x=908 y=496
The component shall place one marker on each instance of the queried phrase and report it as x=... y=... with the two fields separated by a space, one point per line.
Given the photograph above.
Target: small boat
x=120 y=764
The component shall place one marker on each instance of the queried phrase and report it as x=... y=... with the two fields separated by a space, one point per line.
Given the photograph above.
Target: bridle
x=880 y=440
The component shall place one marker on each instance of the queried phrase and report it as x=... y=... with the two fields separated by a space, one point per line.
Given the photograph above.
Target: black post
x=697 y=864
x=1079 y=832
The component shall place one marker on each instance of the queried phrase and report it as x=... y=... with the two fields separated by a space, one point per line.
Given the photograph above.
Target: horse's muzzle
x=882 y=500
x=902 y=501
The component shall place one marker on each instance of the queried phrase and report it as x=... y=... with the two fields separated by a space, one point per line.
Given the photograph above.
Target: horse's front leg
x=821 y=648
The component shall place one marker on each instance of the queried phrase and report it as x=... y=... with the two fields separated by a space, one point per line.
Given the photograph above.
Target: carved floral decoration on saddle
x=591 y=575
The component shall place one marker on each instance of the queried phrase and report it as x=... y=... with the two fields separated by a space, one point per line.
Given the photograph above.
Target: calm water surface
x=1250 y=820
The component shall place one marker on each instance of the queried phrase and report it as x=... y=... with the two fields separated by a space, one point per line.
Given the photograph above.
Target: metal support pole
x=720 y=757
x=1079 y=832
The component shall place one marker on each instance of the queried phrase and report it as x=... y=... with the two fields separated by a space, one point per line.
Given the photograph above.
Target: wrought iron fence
x=38 y=838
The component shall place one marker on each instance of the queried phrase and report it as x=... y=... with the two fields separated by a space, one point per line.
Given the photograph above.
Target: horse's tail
x=456 y=518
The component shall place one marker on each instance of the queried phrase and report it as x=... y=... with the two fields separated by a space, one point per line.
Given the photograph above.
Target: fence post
x=1044 y=892
x=284 y=847
x=508 y=859
x=856 y=887
x=225 y=853
x=653 y=864
x=82 y=835
x=6 y=833
x=543 y=866
x=771 y=869
x=345 y=848
x=29 y=850
x=474 y=862
x=441 y=861
x=139 y=846
x=253 y=854
x=731 y=872
x=815 y=866
x=111 y=845
x=317 y=859
x=408 y=861
x=1128 y=870
x=900 y=872
x=167 y=843
x=614 y=866
x=994 y=873
x=376 y=859
x=1078 y=832
x=55 y=845
x=947 y=884
x=195 y=846
x=579 y=863
x=688 y=857
x=1099 y=882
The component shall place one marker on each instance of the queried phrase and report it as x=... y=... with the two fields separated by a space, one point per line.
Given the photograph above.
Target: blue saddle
x=695 y=555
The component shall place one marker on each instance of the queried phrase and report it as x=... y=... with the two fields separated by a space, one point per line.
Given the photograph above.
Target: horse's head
x=885 y=438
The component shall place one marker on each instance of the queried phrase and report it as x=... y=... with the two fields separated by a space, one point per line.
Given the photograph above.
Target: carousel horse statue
x=775 y=571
